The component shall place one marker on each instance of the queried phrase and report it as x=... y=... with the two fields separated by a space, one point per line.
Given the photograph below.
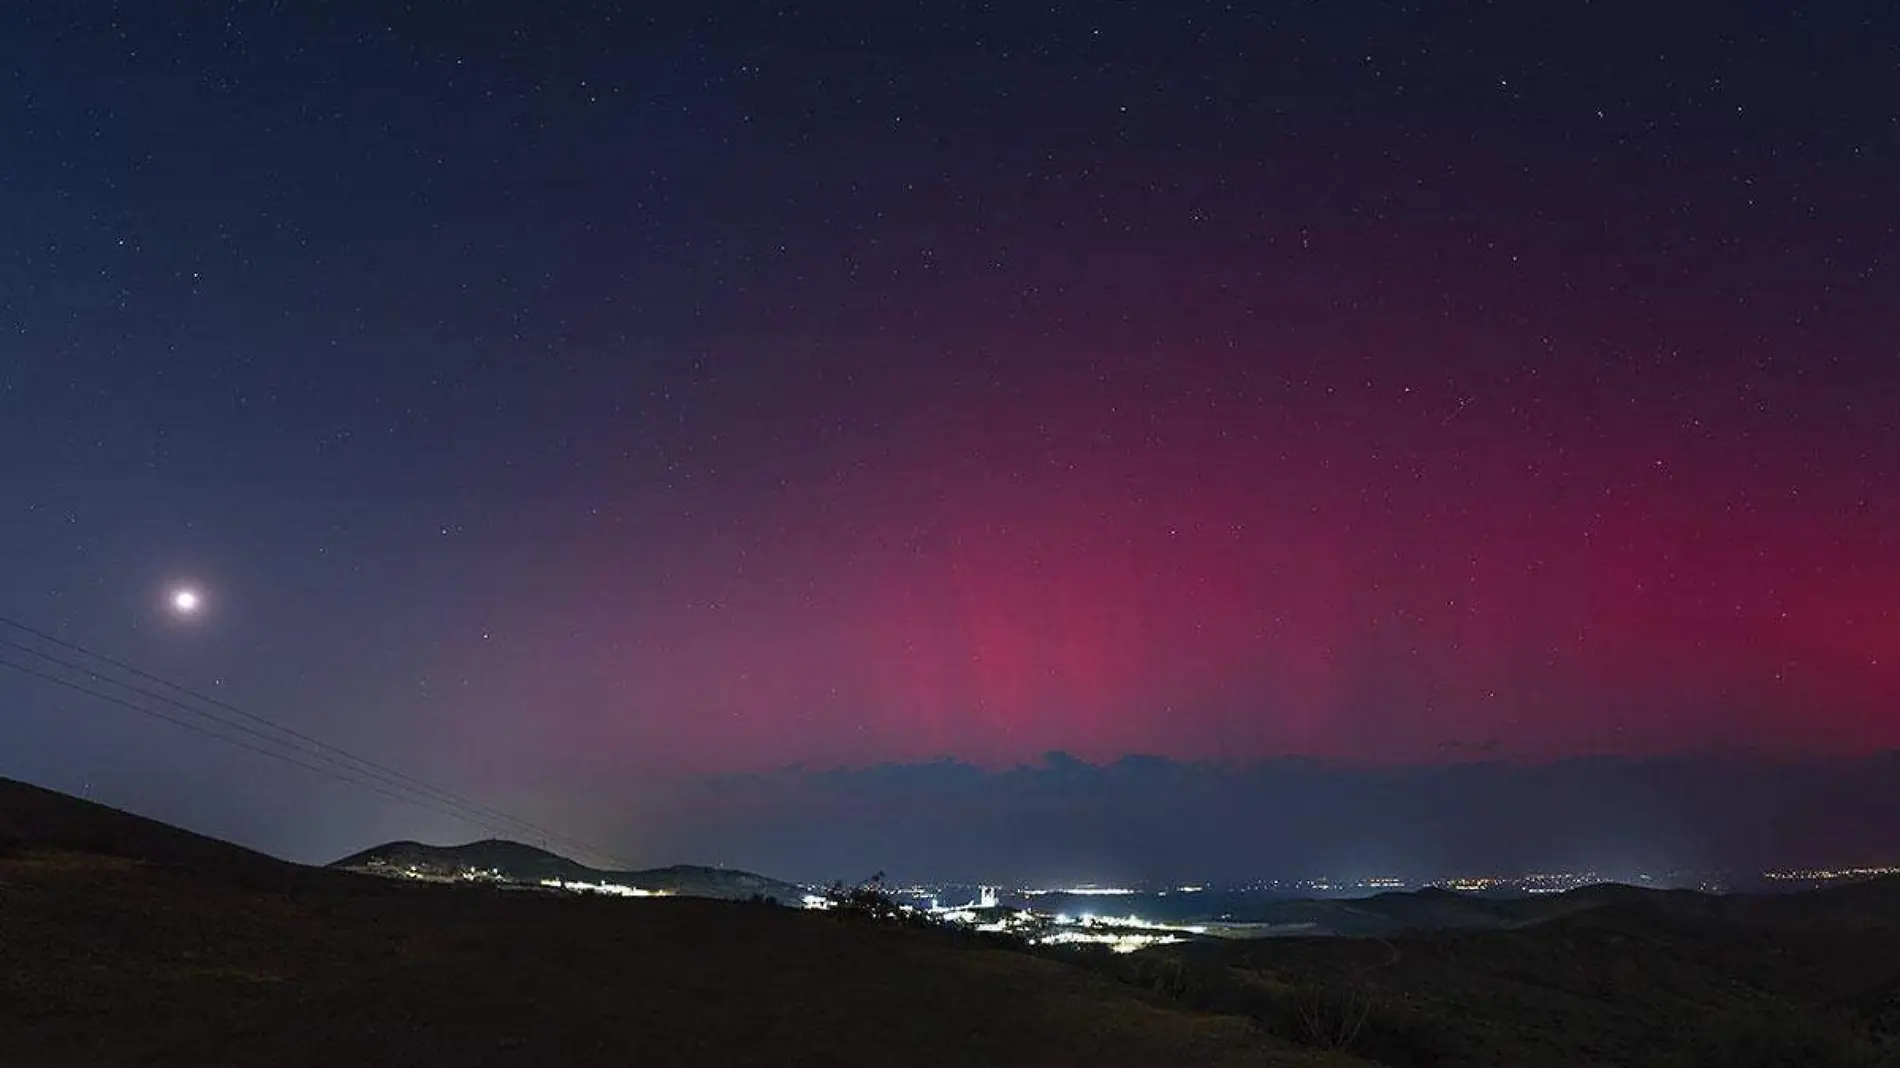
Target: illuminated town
x=986 y=913
x=1112 y=916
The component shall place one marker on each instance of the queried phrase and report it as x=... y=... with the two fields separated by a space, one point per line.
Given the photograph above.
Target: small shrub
x=1332 y=1018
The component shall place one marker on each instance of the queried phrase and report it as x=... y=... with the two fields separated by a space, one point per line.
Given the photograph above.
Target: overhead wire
x=348 y=771
x=227 y=739
x=479 y=815
x=395 y=784
x=380 y=771
x=220 y=729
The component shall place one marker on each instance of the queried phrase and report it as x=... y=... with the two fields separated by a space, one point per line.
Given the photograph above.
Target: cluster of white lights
x=1534 y=883
x=411 y=871
x=1829 y=874
x=494 y=875
x=1120 y=943
x=1122 y=934
x=610 y=889
x=1010 y=922
x=1136 y=922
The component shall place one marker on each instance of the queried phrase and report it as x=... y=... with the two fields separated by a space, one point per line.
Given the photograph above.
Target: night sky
x=614 y=414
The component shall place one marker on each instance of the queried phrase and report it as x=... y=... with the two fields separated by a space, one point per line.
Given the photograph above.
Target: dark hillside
x=124 y=942
x=36 y=820
x=1633 y=983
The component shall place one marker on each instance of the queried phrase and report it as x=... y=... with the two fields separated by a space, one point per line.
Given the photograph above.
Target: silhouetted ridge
x=37 y=820
x=1858 y=905
x=515 y=862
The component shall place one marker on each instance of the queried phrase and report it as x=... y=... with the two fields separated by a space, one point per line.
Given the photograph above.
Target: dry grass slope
x=123 y=941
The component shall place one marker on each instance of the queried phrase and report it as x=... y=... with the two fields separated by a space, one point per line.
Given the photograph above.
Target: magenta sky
x=545 y=402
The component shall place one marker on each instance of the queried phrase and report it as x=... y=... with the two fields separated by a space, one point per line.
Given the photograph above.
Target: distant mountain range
x=1869 y=903
x=516 y=863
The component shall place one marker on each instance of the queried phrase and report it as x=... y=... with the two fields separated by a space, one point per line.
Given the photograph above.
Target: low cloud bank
x=1145 y=817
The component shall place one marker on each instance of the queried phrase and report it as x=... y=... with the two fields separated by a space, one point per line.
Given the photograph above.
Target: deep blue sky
x=582 y=408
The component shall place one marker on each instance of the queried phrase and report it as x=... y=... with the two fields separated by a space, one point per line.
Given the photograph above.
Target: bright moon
x=185 y=602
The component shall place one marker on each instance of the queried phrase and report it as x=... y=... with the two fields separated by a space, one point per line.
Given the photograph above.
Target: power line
x=404 y=791
x=424 y=793
x=479 y=815
x=200 y=728
x=271 y=724
x=337 y=770
x=325 y=751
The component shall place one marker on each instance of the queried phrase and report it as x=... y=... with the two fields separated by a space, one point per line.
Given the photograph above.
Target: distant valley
x=129 y=941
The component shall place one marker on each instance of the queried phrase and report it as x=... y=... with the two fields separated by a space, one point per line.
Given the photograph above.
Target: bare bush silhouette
x=1332 y=1018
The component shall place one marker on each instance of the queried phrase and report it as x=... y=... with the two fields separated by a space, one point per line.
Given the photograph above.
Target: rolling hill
x=1872 y=903
x=124 y=941
x=513 y=862
x=1601 y=976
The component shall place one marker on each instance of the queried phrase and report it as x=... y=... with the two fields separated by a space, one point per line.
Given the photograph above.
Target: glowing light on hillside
x=610 y=889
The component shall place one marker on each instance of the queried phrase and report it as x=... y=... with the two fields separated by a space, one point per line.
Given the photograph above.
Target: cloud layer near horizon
x=1144 y=817
x=1137 y=818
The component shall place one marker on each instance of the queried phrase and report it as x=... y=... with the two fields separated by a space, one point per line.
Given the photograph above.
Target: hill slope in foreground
x=124 y=941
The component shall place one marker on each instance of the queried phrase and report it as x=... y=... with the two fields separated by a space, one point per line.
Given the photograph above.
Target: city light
x=1119 y=943
x=610 y=889
x=1828 y=875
